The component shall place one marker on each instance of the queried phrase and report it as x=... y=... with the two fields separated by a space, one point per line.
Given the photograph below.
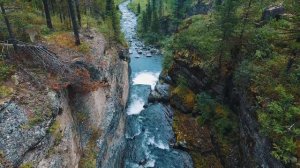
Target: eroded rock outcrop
x=66 y=127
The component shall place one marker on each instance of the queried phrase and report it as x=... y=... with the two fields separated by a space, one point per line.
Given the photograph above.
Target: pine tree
x=9 y=29
x=77 y=4
x=47 y=14
x=293 y=33
x=139 y=8
x=74 y=21
x=227 y=21
x=160 y=9
x=179 y=9
x=144 y=22
x=149 y=12
x=155 y=23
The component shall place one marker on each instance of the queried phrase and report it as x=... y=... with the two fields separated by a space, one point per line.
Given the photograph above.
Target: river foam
x=146 y=78
x=159 y=144
x=136 y=106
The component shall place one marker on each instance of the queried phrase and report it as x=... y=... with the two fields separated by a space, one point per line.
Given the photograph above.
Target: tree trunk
x=290 y=64
x=47 y=14
x=52 y=6
x=74 y=22
x=9 y=29
x=78 y=12
x=60 y=17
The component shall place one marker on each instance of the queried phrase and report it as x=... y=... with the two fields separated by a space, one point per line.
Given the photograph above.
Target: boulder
x=124 y=55
x=154 y=96
x=161 y=93
x=166 y=78
x=273 y=12
x=164 y=90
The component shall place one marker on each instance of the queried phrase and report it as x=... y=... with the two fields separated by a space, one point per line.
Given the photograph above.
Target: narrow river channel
x=149 y=131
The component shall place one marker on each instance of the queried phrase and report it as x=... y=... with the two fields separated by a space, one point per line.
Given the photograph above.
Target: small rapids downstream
x=148 y=130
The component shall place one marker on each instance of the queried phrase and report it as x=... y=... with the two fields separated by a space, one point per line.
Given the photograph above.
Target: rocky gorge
x=120 y=107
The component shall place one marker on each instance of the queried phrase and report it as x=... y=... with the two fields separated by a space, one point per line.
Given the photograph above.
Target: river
x=148 y=130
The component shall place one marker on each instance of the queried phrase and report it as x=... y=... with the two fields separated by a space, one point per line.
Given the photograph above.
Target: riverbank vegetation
x=253 y=44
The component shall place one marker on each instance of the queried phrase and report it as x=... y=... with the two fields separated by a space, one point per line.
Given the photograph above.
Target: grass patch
x=5 y=91
x=35 y=120
x=5 y=71
x=27 y=165
x=88 y=160
x=55 y=132
x=66 y=40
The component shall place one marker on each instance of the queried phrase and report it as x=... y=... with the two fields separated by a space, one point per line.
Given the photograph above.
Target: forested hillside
x=56 y=22
x=40 y=19
x=235 y=68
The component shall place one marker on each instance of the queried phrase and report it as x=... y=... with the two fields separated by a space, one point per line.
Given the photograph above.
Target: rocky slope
x=251 y=149
x=43 y=126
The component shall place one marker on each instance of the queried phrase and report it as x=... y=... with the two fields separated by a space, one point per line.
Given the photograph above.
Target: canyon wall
x=40 y=127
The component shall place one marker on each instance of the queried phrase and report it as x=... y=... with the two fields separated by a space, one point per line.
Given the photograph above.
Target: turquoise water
x=148 y=130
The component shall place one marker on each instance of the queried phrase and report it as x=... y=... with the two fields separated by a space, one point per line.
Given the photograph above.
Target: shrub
x=216 y=114
x=45 y=30
x=89 y=158
x=84 y=48
x=168 y=53
x=186 y=96
x=224 y=126
x=5 y=70
x=182 y=82
x=278 y=120
x=36 y=119
x=285 y=154
x=197 y=34
x=27 y=165
x=5 y=91
x=56 y=133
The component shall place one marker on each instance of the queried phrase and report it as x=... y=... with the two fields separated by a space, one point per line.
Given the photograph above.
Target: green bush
x=224 y=126
x=205 y=104
x=168 y=53
x=56 y=133
x=84 y=48
x=285 y=149
x=199 y=36
x=182 y=82
x=5 y=71
x=219 y=116
x=278 y=121
x=45 y=30
x=5 y=91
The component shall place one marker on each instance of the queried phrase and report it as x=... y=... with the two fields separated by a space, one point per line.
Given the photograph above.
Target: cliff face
x=40 y=127
x=253 y=149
